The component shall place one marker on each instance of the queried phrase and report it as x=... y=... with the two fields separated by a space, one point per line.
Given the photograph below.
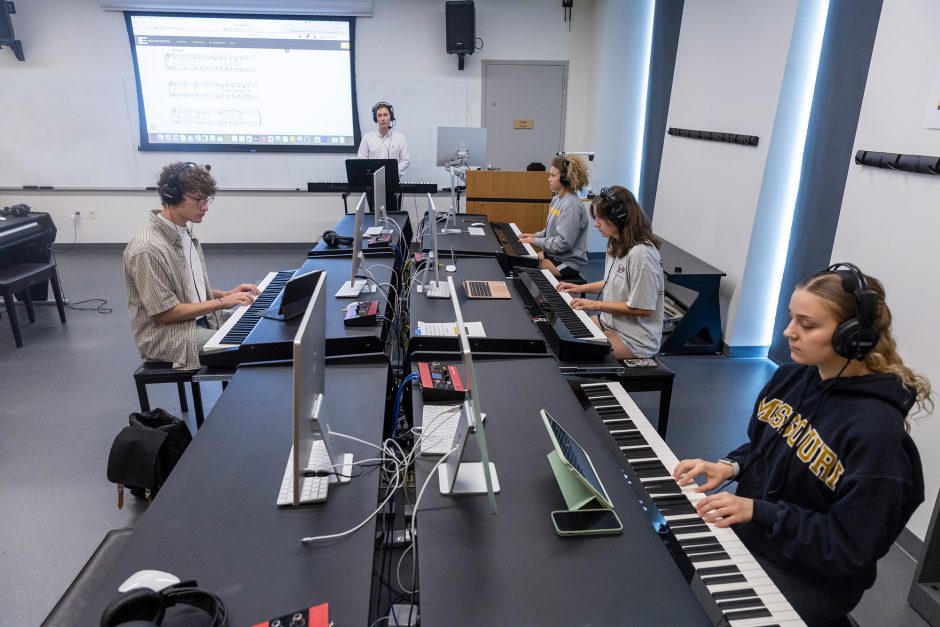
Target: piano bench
x=18 y=278
x=88 y=580
x=652 y=379
x=152 y=372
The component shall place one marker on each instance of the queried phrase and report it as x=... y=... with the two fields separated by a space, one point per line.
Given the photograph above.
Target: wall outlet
x=92 y=214
x=76 y=215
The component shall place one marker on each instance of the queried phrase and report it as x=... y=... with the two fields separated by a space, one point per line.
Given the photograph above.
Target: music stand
x=359 y=173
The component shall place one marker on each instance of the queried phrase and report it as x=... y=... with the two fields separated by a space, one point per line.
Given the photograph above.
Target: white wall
x=890 y=220
x=403 y=41
x=729 y=69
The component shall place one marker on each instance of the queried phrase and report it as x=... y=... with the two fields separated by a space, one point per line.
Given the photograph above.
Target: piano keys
x=570 y=332
x=343 y=187
x=519 y=254
x=730 y=583
x=221 y=351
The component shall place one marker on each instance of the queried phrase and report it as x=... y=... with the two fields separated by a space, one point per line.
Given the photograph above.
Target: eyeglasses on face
x=206 y=200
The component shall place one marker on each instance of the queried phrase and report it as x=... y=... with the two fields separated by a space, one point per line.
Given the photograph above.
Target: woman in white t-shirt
x=630 y=307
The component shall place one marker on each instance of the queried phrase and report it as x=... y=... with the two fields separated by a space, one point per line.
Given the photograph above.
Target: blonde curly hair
x=577 y=171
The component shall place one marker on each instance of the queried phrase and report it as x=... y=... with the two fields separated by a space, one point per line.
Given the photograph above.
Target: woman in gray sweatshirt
x=564 y=239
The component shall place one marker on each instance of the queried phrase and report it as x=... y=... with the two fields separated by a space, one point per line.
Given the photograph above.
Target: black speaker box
x=461 y=26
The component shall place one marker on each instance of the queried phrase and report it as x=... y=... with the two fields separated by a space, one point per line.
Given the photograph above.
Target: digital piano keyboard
x=570 y=332
x=522 y=255
x=731 y=585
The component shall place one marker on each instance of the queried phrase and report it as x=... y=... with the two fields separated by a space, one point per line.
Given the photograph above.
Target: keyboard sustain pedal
x=361 y=314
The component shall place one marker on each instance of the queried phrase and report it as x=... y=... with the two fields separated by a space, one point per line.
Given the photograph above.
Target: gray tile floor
x=67 y=392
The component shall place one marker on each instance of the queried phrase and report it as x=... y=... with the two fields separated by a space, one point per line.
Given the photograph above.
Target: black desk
x=509 y=328
x=215 y=519
x=704 y=312
x=345 y=228
x=463 y=244
x=512 y=569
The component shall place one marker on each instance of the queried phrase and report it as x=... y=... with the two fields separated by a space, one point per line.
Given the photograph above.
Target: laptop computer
x=487 y=290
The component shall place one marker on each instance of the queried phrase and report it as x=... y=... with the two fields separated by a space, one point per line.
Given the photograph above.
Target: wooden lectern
x=507 y=196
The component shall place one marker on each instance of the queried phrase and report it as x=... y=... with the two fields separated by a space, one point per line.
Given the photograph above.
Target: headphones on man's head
x=379 y=105
x=618 y=210
x=334 y=239
x=563 y=175
x=171 y=192
x=143 y=606
x=19 y=210
x=857 y=336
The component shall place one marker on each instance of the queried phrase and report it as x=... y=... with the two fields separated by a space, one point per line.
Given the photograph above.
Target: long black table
x=511 y=568
x=215 y=520
x=699 y=331
x=345 y=228
x=463 y=243
x=509 y=328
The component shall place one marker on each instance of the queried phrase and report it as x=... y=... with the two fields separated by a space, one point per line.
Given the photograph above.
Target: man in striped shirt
x=174 y=310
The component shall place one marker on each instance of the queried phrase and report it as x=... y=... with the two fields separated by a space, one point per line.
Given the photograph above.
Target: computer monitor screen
x=472 y=398
x=6 y=25
x=460 y=143
x=357 y=238
x=576 y=459
x=309 y=373
x=246 y=83
x=297 y=294
x=359 y=173
x=378 y=196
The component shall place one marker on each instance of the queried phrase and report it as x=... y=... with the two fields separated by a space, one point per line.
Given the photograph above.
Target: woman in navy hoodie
x=829 y=476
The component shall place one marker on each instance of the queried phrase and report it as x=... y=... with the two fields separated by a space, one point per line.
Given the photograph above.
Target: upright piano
x=27 y=240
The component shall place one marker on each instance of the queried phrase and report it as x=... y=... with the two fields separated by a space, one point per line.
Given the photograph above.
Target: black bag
x=144 y=453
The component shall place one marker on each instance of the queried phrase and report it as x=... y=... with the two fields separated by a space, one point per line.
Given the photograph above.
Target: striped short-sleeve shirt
x=155 y=273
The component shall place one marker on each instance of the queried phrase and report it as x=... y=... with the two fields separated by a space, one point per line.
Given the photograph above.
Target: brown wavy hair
x=194 y=180
x=637 y=228
x=884 y=357
x=577 y=171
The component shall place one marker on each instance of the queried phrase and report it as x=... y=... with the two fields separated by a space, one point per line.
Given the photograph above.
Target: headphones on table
x=335 y=240
x=143 y=606
x=19 y=210
x=857 y=336
x=379 y=105
x=171 y=192
x=618 y=210
x=563 y=175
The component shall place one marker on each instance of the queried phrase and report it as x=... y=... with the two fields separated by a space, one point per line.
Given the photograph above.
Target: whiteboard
x=81 y=132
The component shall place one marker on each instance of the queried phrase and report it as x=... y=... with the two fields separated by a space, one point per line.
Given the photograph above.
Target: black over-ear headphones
x=171 y=192
x=19 y=210
x=379 y=105
x=143 y=606
x=618 y=210
x=563 y=176
x=334 y=239
x=857 y=336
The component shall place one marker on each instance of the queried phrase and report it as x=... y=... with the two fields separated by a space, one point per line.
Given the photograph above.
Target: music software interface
x=233 y=81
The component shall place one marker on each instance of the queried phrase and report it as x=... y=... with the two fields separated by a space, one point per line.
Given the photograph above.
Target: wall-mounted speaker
x=460 y=22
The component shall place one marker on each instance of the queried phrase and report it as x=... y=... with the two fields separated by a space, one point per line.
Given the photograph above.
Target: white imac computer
x=456 y=476
x=435 y=288
x=354 y=286
x=379 y=199
x=313 y=446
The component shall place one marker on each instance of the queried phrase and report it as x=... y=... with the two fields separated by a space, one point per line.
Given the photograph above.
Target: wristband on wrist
x=734 y=466
x=221 y=304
